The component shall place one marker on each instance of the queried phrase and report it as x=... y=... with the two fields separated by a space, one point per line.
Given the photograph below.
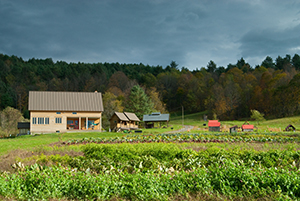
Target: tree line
x=231 y=92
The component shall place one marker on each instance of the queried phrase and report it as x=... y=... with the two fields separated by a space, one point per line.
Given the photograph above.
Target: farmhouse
x=214 y=125
x=64 y=111
x=124 y=121
x=149 y=119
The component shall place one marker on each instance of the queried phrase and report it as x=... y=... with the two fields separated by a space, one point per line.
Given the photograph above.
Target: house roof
x=65 y=101
x=214 y=123
x=247 y=126
x=157 y=116
x=121 y=116
x=131 y=116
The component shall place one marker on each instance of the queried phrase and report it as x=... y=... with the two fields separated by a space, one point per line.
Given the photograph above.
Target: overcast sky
x=154 y=32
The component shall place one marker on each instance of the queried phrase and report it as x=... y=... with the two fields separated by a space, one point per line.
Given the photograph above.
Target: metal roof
x=214 y=123
x=131 y=116
x=156 y=117
x=247 y=126
x=121 y=116
x=65 y=101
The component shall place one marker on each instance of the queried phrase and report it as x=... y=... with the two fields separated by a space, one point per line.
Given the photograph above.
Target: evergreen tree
x=138 y=102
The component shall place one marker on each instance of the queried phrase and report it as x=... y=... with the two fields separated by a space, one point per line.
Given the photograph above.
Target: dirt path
x=185 y=128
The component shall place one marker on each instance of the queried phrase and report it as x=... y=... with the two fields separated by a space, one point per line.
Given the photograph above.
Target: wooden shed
x=214 y=125
x=124 y=121
x=233 y=129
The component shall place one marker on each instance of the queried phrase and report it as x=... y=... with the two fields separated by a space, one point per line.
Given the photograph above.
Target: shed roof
x=214 y=123
x=23 y=125
x=65 y=101
x=121 y=116
x=157 y=116
x=131 y=116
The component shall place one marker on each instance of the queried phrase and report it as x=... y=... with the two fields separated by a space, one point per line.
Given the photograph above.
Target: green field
x=155 y=165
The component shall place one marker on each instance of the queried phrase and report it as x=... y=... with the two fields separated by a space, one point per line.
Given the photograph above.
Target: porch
x=83 y=123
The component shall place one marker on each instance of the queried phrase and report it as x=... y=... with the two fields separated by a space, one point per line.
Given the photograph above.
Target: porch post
x=79 y=123
x=87 y=123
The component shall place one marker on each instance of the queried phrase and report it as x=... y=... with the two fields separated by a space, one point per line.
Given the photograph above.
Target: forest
x=227 y=93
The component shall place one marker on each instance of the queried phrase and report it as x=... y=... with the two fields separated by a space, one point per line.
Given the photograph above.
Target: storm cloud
x=150 y=32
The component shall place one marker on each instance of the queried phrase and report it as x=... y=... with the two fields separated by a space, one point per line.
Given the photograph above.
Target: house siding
x=62 y=127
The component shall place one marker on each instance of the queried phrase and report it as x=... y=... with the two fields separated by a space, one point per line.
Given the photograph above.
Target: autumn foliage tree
x=111 y=105
x=9 y=119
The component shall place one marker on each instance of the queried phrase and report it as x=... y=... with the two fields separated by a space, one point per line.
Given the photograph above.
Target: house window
x=41 y=120
x=58 y=120
x=46 y=120
x=74 y=112
x=70 y=122
x=33 y=120
x=58 y=112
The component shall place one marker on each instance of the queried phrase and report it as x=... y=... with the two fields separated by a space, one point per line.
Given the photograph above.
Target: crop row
x=38 y=182
x=160 y=157
x=202 y=138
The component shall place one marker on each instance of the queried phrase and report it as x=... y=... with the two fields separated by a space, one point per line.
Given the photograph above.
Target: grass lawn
x=30 y=142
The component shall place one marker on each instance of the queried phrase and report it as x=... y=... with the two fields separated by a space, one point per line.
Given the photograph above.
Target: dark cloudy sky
x=154 y=32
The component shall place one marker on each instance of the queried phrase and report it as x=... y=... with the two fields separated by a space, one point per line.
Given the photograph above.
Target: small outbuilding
x=233 y=129
x=124 y=121
x=290 y=127
x=24 y=128
x=214 y=125
x=247 y=128
x=150 y=119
